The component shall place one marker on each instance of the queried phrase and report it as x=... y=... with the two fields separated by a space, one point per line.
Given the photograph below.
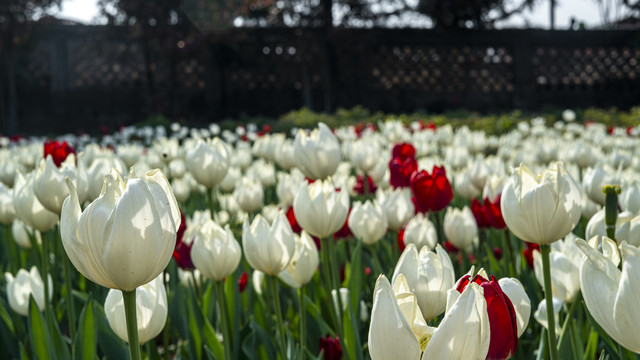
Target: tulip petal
x=390 y=336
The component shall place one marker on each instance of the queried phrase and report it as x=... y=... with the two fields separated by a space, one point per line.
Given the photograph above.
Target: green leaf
x=39 y=334
x=211 y=340
x=194 y=332
x=86 y=339
x=111 y=346
x=6 y=317
x=351 y=336
x=60 y=346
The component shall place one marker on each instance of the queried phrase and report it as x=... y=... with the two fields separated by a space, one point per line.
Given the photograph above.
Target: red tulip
x=528 y=252
x=478 y=211
x=432 y=192
x=493 y=213
x=403 y=151
x=58 y=151
x=400 y=171
x=242 y=281
x=502 y=317
x=401 y=244
x=359 y=186
x=292 y=221
x=330 y=347
x=182 y=251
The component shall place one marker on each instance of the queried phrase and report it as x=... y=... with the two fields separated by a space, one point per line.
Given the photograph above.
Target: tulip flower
x=479 y=213
x=249 y=194
x=320 y=209
x=24 y=285
x=460 y=228
x=49 y=184
x=22 y=232
x=151 y=310
x=541 y=209
x=398 y=331
x=7 y=209
x=400 y=171
x=502 y=316
x=368 y=222
x=317 y=155
x=215 y=252
x=397 y=206
x=421 y=232
x=611 y=294
x=303 y=264
x=125 y=237
x=28 y=208
x=565 y=264
x=429 y=276
x=493 y=212
x=58 y=151
x=208 y=162
x=433 y=191
x=330 y=348
x=268 y=248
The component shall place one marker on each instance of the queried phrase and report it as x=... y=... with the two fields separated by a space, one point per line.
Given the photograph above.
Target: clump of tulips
x=379 y=241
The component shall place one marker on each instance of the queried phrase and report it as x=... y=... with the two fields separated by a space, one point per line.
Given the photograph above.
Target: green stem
x=545 y=249
x=511 y=258
x=165 y=340
x=301 y=320
x=279 y=321
x=44 y=272
x=131 y=317
x=71 y=312
x=14 y=257
x=439 y=228
x=212 y=201
x=226 y=330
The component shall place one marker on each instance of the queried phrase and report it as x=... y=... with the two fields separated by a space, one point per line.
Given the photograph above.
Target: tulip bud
x=432 y=192
x=215 y=252
x=317 y=155
x=7 y=209
x=151 y=310
x=368 y=222
x=460 y=228
x=320 y=209
x=26 y=284
x=249 y=194
x=541 y=209
x=208 y=162
x=268 y=248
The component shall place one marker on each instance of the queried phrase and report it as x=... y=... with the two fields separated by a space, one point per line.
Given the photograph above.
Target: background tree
x=16 y=19
x=474 y=14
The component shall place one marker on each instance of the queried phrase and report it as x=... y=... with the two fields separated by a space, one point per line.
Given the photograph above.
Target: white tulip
x=126 y=237
x=25 y=285
x=460 y=228
x=268 y=248
x=215 y=251
x=368 y=222
x=208 y=162
x=304 y=262
x=151 y=310
x=421 y=232
x=317 y=155
x=397 y=206
x=320 y=209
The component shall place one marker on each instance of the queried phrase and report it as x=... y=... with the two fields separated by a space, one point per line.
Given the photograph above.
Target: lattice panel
x=443 y=69
x=107 y=63
x=275 y=66
x=559 y=67
x=192 y=74
x=38 y=64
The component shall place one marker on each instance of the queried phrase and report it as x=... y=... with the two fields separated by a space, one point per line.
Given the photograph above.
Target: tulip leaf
x=111 y=346
x=355 y=276
x=611 y=347
x=258 y=344
x=211 y=340
x=592 y=346
x=39 y=334
x=23 y=352
x=194 y=332
x=86 y=338
x=351 y=335
x=6 y=317
x=209 y=353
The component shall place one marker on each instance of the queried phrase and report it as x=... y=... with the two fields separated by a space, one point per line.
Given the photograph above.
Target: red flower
x=401 y=244
x=528 y=252
x=403 y=151
x=432 y=192
x=497 y=253
x=330 y=347
x=502 y=317
x=182 y=251
x=242 y=281
x=400 y=171
x=58 y=151
x=478 y=211
x=493 y=213
x=359 y=186
x=293 y=221
x=449 y=247
x=344 y=231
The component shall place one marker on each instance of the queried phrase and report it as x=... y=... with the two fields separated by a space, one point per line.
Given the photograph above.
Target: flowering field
x=393 y=240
